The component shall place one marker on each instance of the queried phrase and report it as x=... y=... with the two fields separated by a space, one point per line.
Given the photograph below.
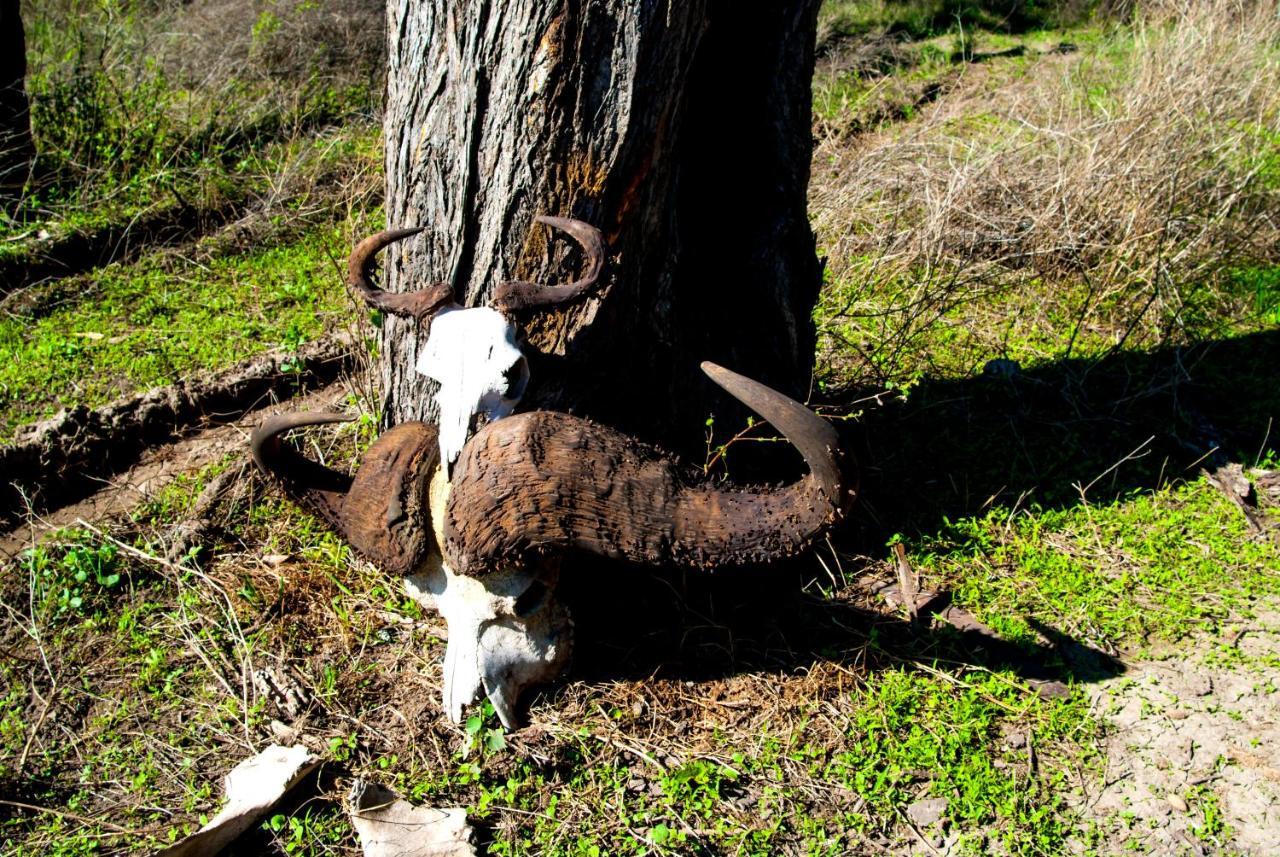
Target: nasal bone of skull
x=506 y=633
x=473 y=355
x=507 y=630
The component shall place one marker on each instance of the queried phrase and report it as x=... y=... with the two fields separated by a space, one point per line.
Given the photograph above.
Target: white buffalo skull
x=507 y=630
x=477 y=524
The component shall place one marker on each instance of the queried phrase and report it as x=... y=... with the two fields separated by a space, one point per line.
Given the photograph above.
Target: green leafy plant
x=71 y=575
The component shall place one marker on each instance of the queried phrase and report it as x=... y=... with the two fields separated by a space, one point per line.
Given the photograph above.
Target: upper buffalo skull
x=473 y=353
x=532 y=487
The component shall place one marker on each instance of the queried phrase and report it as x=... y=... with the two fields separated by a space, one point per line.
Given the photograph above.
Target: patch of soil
x=156 y=467
x=68 y=457
x=1193 y=754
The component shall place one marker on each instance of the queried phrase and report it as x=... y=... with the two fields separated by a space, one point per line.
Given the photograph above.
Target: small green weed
x=72 y=574
x=310 y=831
x=1212 y=829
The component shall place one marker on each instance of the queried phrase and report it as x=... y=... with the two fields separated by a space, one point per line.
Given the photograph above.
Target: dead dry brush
x=140 y=104
x=1122 y=196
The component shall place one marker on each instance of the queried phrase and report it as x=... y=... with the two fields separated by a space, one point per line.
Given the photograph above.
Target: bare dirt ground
x=159 y=466
x=1193 y=752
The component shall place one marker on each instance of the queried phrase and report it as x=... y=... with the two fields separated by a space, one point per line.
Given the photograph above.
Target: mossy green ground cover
x=1146 y=569
x=166 y=317
x=829 y=757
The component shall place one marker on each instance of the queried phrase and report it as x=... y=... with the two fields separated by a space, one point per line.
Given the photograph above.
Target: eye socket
x=516 y=377
x=531 y=599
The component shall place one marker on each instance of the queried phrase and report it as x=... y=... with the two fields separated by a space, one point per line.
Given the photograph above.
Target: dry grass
x=139 y=107
x=1112 y=195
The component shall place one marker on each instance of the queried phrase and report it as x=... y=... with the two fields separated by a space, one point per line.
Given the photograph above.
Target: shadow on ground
x=1050 y=437
x=1061 y=434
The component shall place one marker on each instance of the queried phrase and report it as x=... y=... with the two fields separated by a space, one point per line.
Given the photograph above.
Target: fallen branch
x=1231 y=482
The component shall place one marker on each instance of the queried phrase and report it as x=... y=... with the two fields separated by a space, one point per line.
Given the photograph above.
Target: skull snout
x=507 y=632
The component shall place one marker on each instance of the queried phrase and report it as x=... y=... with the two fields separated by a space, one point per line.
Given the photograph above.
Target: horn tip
x=716 y=372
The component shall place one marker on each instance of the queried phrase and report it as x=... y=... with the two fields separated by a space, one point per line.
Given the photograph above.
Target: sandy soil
x=1193 y=753
x=160 y=465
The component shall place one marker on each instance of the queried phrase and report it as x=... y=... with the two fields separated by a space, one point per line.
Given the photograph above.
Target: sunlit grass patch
x=166 y=317
x=1151 y=568
x=858 y=99
x=126 y=698
x=143 y=669
x=137 y=107
x=927 y=18
x=838 y=771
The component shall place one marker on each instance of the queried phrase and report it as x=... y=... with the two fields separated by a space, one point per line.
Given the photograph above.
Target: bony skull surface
x=507 y=631
x=478 y=525
x=482 y=545
x=474 y=356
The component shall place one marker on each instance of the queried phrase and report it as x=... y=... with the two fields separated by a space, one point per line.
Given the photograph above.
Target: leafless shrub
x=133 y=99
x=1123 y=187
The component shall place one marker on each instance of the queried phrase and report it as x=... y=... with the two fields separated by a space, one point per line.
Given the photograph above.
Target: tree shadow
x=1058 y=435
x=924 y=19
x=1050 y=437
x=702 y=628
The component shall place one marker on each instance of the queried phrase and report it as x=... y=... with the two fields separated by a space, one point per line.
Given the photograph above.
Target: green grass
x=122 y=128
x=137 y=669
x=828 y=757
x=857 y=100
x=166 y=318
x=878 y=326
x=837 y=766
x=144 y=655
x=916 y=287
x=844 y=772
x=920 y=19
x=1152 y=568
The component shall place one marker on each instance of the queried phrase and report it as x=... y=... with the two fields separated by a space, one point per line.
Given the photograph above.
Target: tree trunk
x=681 y=130
x=16 y=150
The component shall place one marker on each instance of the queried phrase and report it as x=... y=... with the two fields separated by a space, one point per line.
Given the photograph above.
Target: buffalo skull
x=473 y=353
x=531 y=488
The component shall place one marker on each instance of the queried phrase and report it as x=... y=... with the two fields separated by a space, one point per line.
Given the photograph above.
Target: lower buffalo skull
x=507 y=631
x=481 y=542
x=473 y=355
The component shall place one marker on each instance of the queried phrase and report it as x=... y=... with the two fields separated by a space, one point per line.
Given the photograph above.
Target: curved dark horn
x=543 y=481
x=817 y=441
x=319 y=487
x=382 y=511
x=416 y=305
x=513 y=296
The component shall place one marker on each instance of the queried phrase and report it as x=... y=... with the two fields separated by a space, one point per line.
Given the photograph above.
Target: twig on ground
x=62 y=813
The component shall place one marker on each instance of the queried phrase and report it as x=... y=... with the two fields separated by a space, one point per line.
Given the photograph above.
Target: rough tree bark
x=16 y=149
x=681 y=129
